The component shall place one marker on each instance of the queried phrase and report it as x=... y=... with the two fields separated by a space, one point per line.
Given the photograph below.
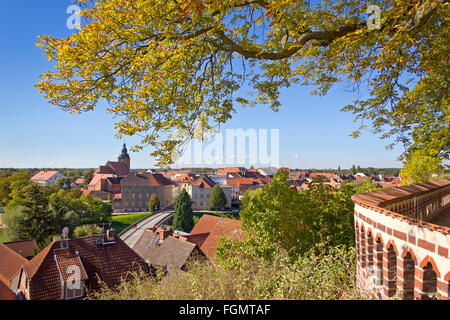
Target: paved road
x=132 y=235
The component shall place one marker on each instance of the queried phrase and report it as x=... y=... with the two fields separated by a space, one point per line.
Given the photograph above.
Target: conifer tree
x=183 y=219
x=38 y=222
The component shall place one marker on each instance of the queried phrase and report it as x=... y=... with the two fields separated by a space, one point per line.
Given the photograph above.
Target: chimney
x=163 y=234
x=111 y=234
x=152 y=228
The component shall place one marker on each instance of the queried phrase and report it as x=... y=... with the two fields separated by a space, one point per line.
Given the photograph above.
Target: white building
x=47 y=178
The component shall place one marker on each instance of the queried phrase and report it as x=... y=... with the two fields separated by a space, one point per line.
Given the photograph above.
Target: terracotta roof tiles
x=23 y=247
x=109 y=260
x=10 y=263
x=43 y=175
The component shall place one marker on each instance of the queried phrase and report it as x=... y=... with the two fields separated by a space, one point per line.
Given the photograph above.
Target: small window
x=72 y=293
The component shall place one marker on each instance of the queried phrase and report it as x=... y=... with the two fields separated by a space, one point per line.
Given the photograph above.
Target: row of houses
x=130 y=191
x=67 y=269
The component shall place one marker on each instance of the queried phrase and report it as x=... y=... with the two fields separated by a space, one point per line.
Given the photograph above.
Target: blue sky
x=313 y=132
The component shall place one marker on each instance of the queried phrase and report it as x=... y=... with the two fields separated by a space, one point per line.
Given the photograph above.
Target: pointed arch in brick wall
x=380 y=238
x=392 y=243
x=411 y=252
x=430 y=260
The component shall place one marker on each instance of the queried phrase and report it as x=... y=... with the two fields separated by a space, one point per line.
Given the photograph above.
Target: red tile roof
x=110 y=261
x=198 y=238
x=67 y=258
x=323 y=174
x=203 y=182
x=382 y=197
x=10 y=263
x=6 y=293
x=215 y=227
x=23 y=247
x=229 y=170
x=238 y=181
x=43 y=175
x=171 y=173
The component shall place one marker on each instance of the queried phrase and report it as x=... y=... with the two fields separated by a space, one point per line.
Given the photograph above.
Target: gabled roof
x=146 y=180
x=198 y=238
x=119 y=168
x=10 y=263
x=109 y=260
x=215 y=227
x=43 y=175
x=230 y=170
x=104 y=170
x=168 y=252
x=269 y=171
x=203 y=182
x=244 y=181
x=171 y=173
x=79 y=181
x=98 y=177
x=23 y=247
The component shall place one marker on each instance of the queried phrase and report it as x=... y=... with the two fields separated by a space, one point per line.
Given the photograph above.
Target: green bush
x=312 y=276
x=86 y=230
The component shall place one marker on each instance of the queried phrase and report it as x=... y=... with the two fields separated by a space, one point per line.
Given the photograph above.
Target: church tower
x=124 y=157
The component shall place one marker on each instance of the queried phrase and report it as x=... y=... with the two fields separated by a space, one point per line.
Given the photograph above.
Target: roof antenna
x=65 y=233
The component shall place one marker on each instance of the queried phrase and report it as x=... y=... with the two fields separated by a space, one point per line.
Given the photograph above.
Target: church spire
x=124 y=153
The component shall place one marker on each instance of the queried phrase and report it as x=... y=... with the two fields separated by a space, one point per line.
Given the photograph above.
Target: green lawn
x=120 y=222
x=1 y=234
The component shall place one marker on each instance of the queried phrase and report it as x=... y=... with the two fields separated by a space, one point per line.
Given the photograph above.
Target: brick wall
x=401 y=256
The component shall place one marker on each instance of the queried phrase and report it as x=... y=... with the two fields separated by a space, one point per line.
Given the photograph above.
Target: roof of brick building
x=23 y=247
x=5 y=292
x=10 y=263
x=215 y=227
x=230 y=170
x=110 y=260
x=203 y=182
x=168 y=252
x=383 y=197
x=146 y=180
x=119 y=168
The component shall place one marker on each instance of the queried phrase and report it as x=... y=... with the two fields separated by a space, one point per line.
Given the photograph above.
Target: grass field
x=1 y=234
x=120 y=222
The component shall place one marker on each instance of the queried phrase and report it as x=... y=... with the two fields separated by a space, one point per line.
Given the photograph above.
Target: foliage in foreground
x=177 y=64
x=311 y=276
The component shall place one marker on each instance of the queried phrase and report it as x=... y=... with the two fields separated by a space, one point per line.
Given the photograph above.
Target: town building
x=403 y=241
x=47 y=178
x=138 y=188
x=10 y=263
x=200 y=192
x=162 y=248
x=107 y=178
x=209 y=229
x=25 y=248
x=53 y=273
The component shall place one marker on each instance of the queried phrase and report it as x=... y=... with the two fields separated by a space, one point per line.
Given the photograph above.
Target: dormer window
x=73 y=291
x=64 y=244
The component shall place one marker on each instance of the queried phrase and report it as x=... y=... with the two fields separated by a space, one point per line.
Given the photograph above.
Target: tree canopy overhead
x=165 y=65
